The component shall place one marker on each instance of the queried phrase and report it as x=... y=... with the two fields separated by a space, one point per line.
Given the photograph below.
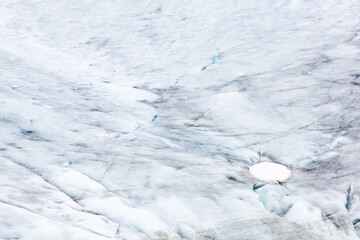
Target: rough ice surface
x=270 y=172
x=140 y=119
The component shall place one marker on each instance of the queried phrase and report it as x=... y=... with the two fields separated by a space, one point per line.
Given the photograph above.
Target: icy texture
x=139 y=119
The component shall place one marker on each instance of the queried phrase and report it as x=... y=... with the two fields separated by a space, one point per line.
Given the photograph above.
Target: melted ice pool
x=270 y=172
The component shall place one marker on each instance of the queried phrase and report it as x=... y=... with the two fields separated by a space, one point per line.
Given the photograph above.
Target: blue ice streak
x=213 y=59
x=154 y=118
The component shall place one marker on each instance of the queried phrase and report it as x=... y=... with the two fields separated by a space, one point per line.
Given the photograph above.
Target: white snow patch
x=270 y=172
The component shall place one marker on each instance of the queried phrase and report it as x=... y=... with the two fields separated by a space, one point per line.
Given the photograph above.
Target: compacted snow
x=140 y=119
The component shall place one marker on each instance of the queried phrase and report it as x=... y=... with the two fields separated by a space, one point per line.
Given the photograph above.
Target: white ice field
x=143 y=120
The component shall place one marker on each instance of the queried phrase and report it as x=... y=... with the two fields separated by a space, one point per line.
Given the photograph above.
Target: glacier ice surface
x=140 y=119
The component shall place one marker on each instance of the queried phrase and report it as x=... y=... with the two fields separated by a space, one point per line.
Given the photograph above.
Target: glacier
x=139 y=120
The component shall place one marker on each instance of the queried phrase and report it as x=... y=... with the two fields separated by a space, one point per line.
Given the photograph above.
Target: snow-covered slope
x=139 y=119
